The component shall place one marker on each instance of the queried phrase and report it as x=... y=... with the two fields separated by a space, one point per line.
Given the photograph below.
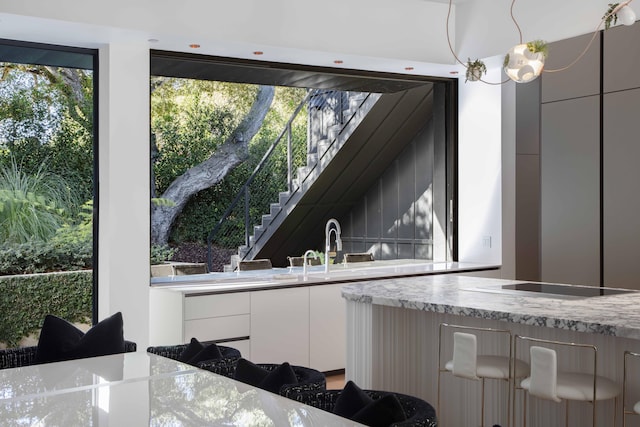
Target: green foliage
x=32 y=206
x=70 y=248
x=41 y=257
x=538 y=46
x=190 y=119
x=161 y=253
x=609 y=17
x=42 y=120
x=26 y=300
x=475 y=70
x=182 y=143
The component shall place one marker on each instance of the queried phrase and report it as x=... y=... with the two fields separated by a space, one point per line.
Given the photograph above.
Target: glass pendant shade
x=626 y=15
x=521 y=65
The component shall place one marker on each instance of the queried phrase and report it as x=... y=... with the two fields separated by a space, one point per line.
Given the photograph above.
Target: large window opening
x=48 y=208
x=236 y=144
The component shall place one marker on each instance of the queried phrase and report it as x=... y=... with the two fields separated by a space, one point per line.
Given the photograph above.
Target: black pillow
x=351 y=400
x=60 y=340
x=249 y=373
x=272 y=381
x=280 y=376
x=191 y=350
x=195 y=352
x=210 y=352
x=381 y=412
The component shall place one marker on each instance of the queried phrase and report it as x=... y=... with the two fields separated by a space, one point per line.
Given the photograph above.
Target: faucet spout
x=327 y=240
x=304 y=260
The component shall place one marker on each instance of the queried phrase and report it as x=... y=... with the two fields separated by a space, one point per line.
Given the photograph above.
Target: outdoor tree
x=228 y=135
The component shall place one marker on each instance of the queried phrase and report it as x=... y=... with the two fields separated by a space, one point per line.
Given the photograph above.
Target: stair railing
x=319 y=100
x=244 y=193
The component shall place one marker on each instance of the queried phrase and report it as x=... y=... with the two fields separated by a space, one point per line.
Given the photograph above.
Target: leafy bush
x=161 y=253
x=32 y=206
x=26 y=300
x=42 y=257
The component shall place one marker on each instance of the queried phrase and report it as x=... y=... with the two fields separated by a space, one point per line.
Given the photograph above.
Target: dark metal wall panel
x=389 y=202
x=398 y=211
x=407 y=193
x=374 y=216
x=425 y=173
x=405 y=251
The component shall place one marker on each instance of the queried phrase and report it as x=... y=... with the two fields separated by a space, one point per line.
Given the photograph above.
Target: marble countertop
x=141 y=389
x=244 y=281
x=616 y=315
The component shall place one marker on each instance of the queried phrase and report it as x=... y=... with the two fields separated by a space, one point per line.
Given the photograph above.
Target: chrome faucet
x=304 y=260
x=327 y=239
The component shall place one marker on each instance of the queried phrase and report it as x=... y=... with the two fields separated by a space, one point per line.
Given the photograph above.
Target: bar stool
x=635 y=410
x=466 y=363
x=546 y=382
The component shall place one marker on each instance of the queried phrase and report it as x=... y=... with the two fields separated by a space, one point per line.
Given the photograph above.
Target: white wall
x=480 y=170
x=123 y=246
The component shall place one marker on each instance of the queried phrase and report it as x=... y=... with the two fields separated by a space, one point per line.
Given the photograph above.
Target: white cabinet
x=175 y=318
x=327 y=328
x=280 y=326
x=301 y=325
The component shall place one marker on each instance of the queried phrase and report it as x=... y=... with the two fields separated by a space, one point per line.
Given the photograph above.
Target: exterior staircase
x=326 y=137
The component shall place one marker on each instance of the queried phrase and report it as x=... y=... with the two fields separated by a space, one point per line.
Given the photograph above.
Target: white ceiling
x=367 y=34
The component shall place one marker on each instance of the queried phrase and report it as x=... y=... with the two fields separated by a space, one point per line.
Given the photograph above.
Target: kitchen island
x=393 y=333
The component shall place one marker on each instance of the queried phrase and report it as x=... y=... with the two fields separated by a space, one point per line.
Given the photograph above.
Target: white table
x=141 y=389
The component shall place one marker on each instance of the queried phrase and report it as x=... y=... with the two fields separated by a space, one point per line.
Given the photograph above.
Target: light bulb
x=626 y=15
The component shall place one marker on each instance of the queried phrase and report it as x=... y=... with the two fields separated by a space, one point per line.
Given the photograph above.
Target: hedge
x=26 y=299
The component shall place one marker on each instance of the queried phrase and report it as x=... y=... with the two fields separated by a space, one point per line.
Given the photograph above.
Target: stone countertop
x=616 y=315
x=244 y=281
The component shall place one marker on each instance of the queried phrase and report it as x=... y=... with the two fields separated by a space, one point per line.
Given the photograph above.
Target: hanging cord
x=593 y=37
x=513 y=18
x=449 y=39
x=463 y=63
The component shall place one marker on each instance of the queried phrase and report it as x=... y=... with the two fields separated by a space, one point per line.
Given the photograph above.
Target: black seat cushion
x=60 y=340
x=355 y=404
x=250 y=373
x=196 y=352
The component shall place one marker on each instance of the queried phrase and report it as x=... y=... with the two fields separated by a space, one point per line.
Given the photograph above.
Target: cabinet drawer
x=199 y=307
x=217 y=328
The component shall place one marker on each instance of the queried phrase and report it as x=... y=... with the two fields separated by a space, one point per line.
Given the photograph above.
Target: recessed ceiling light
x=338 y=61
x=153 y=40
x=258 y=52
x=408 y=68
x=194 y=46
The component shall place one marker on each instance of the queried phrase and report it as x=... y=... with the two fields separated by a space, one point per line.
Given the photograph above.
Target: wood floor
x=335 y=382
